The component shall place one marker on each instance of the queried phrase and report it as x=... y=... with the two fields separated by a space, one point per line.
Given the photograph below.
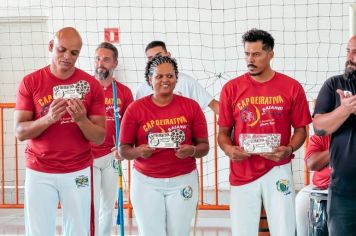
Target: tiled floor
x=209 y=223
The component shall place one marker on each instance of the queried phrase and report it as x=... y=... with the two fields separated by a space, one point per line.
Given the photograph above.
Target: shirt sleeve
x=143 y=90
x=316 y=144
x=226 y=118
x=300 y=114
x=97 y=106
x=195 y=90
x=200 y=129
x=325 y=101
x=24 y=99
x=128 y=99
x=129 y=126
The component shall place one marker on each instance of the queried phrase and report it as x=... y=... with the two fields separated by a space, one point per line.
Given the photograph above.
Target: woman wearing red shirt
x=164 y=133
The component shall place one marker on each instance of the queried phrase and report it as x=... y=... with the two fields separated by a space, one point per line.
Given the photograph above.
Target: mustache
x=350 y=63
x=101 y=69
x=251 y=65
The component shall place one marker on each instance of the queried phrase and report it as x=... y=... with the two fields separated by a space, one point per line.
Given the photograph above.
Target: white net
x=204 y=36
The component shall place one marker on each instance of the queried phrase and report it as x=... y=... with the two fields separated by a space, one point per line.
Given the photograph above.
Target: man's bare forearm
x=93 y=129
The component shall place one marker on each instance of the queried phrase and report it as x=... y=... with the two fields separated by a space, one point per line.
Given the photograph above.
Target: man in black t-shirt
x=335 y=114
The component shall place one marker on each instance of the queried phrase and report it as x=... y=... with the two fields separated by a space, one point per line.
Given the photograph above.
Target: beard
x=254 y=73
x=350 y=71
x=102 y=73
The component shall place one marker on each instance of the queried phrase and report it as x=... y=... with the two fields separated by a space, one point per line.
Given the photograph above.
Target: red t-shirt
x=261 y=108
x=124 y=99
x=321 y=179
x=182 y=115
x=62 y=147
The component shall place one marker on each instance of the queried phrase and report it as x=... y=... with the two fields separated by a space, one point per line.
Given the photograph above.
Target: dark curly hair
x=254 y=35
x=156 y=61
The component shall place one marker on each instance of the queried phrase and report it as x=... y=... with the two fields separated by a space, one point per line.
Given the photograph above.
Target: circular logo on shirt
x=250 y=115
x=187 y=192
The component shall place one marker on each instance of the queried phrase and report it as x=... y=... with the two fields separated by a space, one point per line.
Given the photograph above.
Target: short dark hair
x=156 y=61
x=254 y=35
x=110 y=47
x=156 y=43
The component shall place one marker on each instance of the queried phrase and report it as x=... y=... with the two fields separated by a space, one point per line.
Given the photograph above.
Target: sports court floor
x=210 y=223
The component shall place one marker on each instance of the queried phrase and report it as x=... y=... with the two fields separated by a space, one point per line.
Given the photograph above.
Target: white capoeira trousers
x=276 y=190
x=164 y=206
x=105 y=192
x=42 y=193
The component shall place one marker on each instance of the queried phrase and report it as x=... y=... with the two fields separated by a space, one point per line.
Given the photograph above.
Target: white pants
x=302 y=203
x=42 y=193
x=105 y=189
x=164 y=206
x=276 y=190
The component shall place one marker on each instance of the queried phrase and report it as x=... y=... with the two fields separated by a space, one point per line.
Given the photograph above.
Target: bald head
x=65 y=48
x=68 y=33
x=351 y=49
x=350 y=66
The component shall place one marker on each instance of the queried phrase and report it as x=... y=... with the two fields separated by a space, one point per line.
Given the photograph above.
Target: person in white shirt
x=186 y=85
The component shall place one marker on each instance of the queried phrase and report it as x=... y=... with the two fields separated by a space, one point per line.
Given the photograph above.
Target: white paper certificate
x=77 y=90
x=259 y=143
